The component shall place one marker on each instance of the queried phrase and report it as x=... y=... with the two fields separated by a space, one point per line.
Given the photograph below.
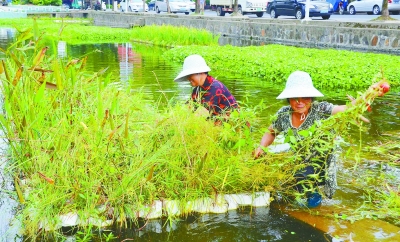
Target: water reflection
x=7 y=35
x=9 y=226
x=62 y=49
x=245 y=224
x=126 y=59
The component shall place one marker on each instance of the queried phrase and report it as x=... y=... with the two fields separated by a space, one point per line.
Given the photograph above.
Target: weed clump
x=80 y=144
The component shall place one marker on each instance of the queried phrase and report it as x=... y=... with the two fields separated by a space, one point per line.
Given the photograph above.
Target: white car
x=176 y=6
x=373 y=6
x=192 y=6
x=133 y=6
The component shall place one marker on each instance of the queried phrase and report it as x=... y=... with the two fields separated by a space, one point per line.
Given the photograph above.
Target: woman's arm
x=266 y=140
x=381 y=88
x=338 y=109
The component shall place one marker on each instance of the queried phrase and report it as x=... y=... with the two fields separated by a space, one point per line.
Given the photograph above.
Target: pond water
x=143 y=69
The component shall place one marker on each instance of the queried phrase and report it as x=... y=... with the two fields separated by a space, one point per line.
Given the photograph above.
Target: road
x=334 y=17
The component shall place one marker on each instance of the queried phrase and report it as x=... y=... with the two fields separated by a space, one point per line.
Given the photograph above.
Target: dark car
x=296 y=8
x=151 y=5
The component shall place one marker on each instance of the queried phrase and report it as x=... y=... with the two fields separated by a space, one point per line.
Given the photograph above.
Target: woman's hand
x=381 y=87
x=259 y=152
x=266 y=140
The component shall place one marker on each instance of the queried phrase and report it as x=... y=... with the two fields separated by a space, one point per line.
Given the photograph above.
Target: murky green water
x=143 y=69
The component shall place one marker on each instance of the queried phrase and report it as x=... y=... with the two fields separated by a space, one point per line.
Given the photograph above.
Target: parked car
x=152 y=5
x=192 y=6
x=223 y=7
x=336 y=4
x=373 y=6
x=296 y=8
x=176 y=6
x=133 y=6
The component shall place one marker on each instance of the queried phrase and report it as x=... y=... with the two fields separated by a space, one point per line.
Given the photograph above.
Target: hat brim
x=293 y=93
x=185 y=73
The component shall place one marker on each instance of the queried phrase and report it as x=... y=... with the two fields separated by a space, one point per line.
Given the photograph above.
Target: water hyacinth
x=343 y=70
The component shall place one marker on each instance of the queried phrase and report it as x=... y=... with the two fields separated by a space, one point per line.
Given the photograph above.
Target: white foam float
x=242 y=199
x=171 y=207
x=45 y=225
x=98 y=222
x=201 y=205
x=230 y=199
x=68 y=220
x=261 y=199
x=220 y=204
x=151 y=212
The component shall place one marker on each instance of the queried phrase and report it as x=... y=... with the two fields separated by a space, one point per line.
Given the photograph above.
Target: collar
x=207 y=83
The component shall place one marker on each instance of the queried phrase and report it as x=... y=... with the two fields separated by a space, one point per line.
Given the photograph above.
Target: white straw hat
x=299 y=84
x=193 y=64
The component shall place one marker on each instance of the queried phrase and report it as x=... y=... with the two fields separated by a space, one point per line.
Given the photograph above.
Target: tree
x=235 y=9
x=385 y=10
x=168 y=9
x=197 y=10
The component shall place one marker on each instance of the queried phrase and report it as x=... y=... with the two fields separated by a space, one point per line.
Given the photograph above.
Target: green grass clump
x=80 y=31
x=167 y=35
x=78 y=142
x=330 y=69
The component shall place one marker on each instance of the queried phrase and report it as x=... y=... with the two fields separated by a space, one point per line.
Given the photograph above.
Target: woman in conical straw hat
x=301 y=113
x=208 y=92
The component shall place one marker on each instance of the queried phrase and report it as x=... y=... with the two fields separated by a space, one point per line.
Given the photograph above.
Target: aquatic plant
x=381 y=186
x=82 y=145
x=167 y=35
x=80 y=31
x=342 y=70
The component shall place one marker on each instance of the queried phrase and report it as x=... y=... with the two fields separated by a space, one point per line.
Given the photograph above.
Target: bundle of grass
x=86 y=149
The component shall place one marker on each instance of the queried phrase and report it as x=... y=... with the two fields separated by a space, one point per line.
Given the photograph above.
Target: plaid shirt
x=214 y=96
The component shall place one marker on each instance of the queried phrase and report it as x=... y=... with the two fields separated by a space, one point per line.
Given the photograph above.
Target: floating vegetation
x=389 y=151
x=80 y=31
x=273 y=63
x=382 y=187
